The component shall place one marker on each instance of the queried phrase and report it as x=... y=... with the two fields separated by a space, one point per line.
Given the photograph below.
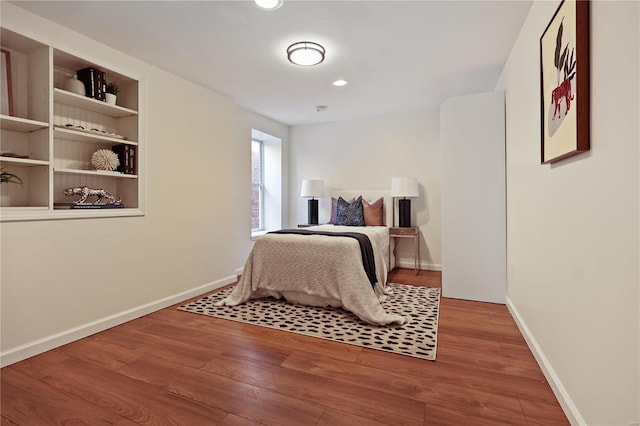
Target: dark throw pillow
x=334 y=210
x=349 y=214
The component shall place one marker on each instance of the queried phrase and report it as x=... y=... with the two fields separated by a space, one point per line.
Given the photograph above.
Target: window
x=257 y=186
x=266 y=183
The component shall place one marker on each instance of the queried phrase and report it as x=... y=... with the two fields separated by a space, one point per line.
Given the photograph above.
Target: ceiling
x=398 y=56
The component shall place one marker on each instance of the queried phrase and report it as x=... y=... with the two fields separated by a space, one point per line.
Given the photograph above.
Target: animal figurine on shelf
x=86 y=192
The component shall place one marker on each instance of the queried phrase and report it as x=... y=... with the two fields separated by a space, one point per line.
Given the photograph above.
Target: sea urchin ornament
x=105 y=159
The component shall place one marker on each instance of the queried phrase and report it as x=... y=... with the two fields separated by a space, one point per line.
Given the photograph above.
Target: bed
x=322 y=270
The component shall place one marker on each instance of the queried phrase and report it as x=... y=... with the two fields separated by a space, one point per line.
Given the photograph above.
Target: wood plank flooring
x=178 y=368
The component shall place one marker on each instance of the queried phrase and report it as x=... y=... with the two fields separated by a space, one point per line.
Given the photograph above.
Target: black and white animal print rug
x=417 y=338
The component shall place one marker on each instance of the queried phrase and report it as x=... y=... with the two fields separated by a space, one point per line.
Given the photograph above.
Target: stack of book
x=95 y=83
x=127 y=155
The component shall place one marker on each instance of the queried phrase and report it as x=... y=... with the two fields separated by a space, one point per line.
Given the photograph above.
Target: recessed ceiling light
x=269 y=4
x=340 y=83
x=305 y=53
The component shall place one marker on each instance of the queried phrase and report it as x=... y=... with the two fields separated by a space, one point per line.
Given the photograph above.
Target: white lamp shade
x=404 y=187
x=312 y=188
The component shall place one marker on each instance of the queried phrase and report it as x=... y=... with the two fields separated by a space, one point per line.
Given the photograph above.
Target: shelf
x=80 y=136
x=23 y=162
x=89 y=104
x=12 y=214
x=95 y=173
x=18 y=124
x=18 y=209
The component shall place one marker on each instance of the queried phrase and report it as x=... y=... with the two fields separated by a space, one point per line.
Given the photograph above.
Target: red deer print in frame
x=564 y=82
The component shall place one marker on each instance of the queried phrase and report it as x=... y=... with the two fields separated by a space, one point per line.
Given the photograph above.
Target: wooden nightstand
x=412 y=232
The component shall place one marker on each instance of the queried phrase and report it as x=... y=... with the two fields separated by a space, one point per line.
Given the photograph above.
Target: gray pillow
x=349 y=214
x=334 y=210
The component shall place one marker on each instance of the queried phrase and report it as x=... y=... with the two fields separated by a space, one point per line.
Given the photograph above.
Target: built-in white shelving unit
x=49 y=136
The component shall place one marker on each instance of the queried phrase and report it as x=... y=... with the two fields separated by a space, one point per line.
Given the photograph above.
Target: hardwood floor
x=178 y=368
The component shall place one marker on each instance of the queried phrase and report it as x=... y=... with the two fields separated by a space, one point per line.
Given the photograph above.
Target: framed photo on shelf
x=564 y=82
x=6 y=94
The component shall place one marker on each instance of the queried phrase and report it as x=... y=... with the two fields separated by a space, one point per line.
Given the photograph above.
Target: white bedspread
x=318 y=270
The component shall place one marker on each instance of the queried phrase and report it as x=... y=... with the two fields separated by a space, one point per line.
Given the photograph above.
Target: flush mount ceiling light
x=305 y=53
x=269 y=4
x=340 y=83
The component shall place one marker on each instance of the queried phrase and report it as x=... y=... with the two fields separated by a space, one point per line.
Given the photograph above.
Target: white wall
x=64 y=279
x=573 y=226
x=366 y=154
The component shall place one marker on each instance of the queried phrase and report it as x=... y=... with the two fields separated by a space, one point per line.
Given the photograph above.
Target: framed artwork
x=6 y=95
x=564 y=82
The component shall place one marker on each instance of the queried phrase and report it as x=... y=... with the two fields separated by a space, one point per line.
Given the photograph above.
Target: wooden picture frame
x=6 y=94
x=564 y=82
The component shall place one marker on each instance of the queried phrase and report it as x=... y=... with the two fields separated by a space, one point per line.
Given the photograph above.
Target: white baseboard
x=569 y=408
x=409 y=264
x=39 y=346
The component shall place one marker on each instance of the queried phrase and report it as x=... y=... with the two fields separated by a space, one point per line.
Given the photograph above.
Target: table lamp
x=405 y=187
x=312 y=188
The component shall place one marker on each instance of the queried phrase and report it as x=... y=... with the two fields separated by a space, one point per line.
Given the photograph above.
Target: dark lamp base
x=404 y=213
x=313 y=212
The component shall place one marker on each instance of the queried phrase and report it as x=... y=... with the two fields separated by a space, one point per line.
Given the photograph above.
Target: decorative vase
x=110 y=98
x=76 y=86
